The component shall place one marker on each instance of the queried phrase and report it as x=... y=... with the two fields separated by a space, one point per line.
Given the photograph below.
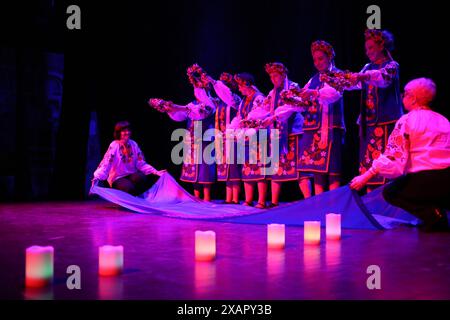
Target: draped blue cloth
x=168 y=198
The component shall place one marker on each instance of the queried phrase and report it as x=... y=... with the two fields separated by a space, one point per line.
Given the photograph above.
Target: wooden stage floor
x=160 y=264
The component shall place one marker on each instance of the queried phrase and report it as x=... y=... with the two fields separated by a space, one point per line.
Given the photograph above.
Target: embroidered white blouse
x=420 y=141
x=120 y=161
x=199 y=109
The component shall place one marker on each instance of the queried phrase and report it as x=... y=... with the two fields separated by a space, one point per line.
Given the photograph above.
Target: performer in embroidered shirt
x=381 y=102
x=290 y=128
x=228 y=169
x=418 y=157
x=320 y=149
x=248 y=106
x=124 y=166
x=199 y=114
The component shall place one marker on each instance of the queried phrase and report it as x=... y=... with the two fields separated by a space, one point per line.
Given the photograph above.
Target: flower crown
x=195 y=73
x=323 y=46
x=375 y=35
x=276 y=67
x=229 y=81
x=382 y=37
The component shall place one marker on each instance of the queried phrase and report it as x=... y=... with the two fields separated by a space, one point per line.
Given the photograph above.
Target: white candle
x=275 y=236
x=39 y=266
x=110 y=260
x=312 y=232
x=205 y=245
x=333 y=226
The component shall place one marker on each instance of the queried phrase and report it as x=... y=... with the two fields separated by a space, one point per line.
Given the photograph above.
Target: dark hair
x=246 y=77
x=381 y=36
x=119 y=127
x=388 y=40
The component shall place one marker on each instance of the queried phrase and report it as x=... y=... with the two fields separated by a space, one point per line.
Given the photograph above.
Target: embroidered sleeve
x=262 y=102
x=194 y=111
x=141 y=165
x=226 y=95
x=383 y=77
x=199 y=111
x=205 y=99
x=284 y=112
x=260 y=109
x=259 y=102
x=105 y=165
x=178 y=115
x=328 y=95
x=392 y=162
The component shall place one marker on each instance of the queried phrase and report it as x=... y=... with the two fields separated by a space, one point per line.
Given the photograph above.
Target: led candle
x=312 y=232
x=205 y=245
x=39 y=266
x=333 y=226
x=110 y=260
x=275 y=236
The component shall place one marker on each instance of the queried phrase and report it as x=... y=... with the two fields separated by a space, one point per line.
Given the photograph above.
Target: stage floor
x=160 y=264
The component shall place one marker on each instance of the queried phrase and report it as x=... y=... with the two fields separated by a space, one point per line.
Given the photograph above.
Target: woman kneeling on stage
x=124 y=166
x=418 y=157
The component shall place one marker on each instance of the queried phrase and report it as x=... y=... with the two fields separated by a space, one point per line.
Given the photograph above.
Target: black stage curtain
x=130 y=51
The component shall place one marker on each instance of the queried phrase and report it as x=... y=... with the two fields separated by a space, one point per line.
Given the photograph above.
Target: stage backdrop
x=128 y=52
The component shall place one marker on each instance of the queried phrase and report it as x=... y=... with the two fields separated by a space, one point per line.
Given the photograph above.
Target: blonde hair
x=424 y=89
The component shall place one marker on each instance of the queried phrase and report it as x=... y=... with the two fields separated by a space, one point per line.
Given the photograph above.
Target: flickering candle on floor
x=110 y=260
x=275 y=236
x=333 y=226
x=39 y=266
x=205 y=245
x=312 y=232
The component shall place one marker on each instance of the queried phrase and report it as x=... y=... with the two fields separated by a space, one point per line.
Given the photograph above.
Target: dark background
x=61 y=91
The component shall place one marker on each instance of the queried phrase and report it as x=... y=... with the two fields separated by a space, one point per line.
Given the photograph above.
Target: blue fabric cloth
x=168 y=198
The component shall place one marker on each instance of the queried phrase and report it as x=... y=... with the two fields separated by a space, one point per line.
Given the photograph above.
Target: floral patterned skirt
x=230 y=171
x=197 y=172
x=319 y=157
x=253 y=168
x=286 y=168
x=372 y=147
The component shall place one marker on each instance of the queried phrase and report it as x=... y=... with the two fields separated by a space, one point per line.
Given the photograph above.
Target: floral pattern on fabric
x=398 y=142
x=316 y=155
x=222 y=170
x=221 y=118
x=371 y=103
x=126 y=153
x=375 y=147
x=287 y=167
x=189 y=168
x=250 y=169
x=312 y=117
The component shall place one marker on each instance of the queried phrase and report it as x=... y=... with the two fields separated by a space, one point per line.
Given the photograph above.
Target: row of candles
x=39 y=264
x=39 y=260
